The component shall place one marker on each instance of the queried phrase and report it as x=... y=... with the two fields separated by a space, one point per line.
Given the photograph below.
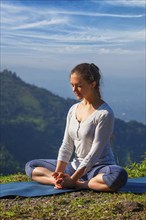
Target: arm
x=59 y=171
x=67 y=146
x=78 y=174
x=64 y=153
x=61 y=165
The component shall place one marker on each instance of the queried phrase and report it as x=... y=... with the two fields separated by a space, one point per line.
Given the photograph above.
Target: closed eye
x=76 y=85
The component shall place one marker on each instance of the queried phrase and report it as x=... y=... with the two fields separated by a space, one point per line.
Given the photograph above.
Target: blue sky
x=43 y=40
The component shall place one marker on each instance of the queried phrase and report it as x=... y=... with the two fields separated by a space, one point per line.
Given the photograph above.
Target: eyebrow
x=75 y=83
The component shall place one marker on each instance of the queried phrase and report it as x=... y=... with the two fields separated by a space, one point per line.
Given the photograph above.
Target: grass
x=81 y=205
x=76 y=206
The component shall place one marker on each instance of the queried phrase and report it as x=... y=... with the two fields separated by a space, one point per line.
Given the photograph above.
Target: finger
x=58 y=186
x=61 y=175
x=59 y=180
x=55 y=174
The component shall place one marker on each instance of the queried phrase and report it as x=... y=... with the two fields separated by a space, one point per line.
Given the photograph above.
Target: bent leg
x=95 y=183
x=108 y=178
x=43 y=175
x=41 y=170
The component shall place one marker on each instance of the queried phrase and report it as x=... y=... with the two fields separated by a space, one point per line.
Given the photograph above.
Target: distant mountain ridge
x=32 y=122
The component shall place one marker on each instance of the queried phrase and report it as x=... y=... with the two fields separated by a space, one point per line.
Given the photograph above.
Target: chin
x=79 y=97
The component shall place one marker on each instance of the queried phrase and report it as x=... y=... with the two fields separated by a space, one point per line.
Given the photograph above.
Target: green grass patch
x=14 y=178
x=81 y=205
x=137 y=169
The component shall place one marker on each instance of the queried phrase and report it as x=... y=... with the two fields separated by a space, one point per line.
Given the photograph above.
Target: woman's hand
x=63 y=180
x=65 y=183
x=59 y=175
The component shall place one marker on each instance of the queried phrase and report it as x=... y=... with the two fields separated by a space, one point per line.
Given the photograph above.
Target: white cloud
x=132 y=3
x=95 y=14
x=53 y=21
x=29 y=32
x=81 y=41
x=9 y=10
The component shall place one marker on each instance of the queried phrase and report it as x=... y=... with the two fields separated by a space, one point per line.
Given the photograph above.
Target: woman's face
x=80 y=87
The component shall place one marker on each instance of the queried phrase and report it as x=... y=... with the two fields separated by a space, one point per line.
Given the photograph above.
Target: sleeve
x=67 y=146
x=102 y=136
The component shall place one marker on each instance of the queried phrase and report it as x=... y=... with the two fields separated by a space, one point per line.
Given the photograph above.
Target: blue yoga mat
x=33 y=189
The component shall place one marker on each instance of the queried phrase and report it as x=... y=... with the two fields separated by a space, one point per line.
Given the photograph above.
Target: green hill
x=32 y=122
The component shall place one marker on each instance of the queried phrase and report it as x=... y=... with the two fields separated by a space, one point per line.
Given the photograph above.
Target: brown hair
x=89 y=72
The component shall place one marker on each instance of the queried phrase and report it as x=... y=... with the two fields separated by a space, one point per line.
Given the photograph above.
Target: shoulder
x=72 y=109
x=105 y=112
x=105 y=108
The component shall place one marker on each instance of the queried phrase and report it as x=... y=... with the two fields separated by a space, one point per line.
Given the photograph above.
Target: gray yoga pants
x=114 y=176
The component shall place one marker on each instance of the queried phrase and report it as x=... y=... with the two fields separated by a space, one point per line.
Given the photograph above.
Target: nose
x=74 y=88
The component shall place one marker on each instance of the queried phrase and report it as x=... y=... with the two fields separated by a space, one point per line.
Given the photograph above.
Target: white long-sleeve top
x=90 y=138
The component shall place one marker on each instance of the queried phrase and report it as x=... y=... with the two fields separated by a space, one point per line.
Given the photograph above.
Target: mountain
x=32 y=122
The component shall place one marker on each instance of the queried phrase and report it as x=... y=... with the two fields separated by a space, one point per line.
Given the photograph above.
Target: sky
x=42 y=40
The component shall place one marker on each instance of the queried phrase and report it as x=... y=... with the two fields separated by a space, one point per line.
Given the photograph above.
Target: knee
x=116 y=179
x=29 y=168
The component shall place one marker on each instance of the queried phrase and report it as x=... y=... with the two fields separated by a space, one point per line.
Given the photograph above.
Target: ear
x=93 y=84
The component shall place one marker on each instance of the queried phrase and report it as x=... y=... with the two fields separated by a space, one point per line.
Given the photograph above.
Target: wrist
x=77 y=174
x=58 y=171
x=75 y=179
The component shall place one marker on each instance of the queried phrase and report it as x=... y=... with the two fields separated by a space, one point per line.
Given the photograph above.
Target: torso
x=85 y=135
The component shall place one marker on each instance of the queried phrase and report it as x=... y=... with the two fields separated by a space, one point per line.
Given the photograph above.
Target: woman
x=88 y=129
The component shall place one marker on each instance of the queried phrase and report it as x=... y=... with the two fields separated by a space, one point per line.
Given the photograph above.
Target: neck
x=92 y=101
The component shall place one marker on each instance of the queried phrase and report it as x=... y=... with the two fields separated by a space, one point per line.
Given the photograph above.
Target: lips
x=77 y=94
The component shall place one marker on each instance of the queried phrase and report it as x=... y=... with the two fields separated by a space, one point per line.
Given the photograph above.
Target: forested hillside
x=32 y=122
